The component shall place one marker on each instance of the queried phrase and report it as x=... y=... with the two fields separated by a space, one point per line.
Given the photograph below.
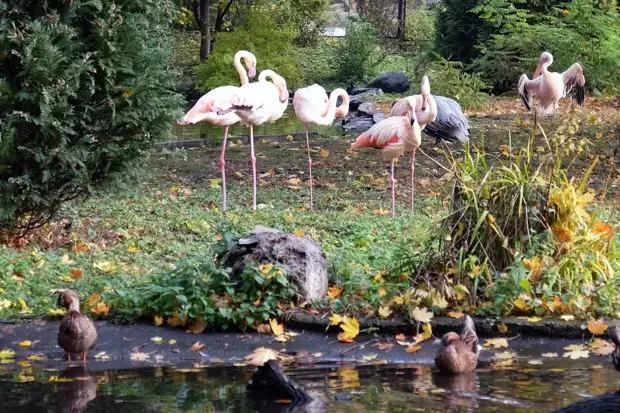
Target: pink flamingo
x=425 y=113
x=394 y=136
x=313 y=107
x=203 y=110
x=255 y=104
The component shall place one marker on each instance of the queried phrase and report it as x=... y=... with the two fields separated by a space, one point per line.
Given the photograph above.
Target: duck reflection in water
x=461 y=389
x=75 y=394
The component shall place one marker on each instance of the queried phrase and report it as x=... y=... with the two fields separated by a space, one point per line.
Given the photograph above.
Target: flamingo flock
x=253 y=104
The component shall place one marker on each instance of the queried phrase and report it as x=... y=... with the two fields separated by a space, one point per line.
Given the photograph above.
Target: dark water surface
x=377 y=388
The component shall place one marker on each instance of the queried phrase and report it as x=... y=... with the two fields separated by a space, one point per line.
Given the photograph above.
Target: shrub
x=309 y=18
x=420 y=29
x=262 y=31
x=358 y=53
x=84 y=90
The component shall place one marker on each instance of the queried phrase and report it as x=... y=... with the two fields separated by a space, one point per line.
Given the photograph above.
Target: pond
x=334 y=388
x=287 y=124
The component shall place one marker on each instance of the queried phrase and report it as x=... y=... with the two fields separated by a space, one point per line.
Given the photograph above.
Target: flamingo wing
x=401 y=108
x=529 y=88
x=574 y=83
x=206 y=107
x=390 y=135
x=310 y=103
x=450 y=123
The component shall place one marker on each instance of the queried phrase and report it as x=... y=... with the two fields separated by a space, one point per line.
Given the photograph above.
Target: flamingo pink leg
x=412 y=180
x=309 y=166
x=393 y=184
x=223 y=169
x=253 y=158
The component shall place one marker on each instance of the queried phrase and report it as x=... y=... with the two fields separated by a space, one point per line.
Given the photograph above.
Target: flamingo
x=256 y=103
x=425 y=113
x=394 y=136
x=203 y=110
x=313 y=107
x=552 y=86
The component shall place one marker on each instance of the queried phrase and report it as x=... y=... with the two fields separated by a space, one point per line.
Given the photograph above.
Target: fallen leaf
x=37 y=357
x=505 y=355
x=281 y=339
x=65 y=259
x=502 y=364
x=134 y=250
x=293 y=183
x=317 y=355
x=575 y=347
x=455 y=314
x=400 y=337
x=24 y=364
x=25 y=343
x=6 y=354
x=174 y=320
x=197 y=346
x=424 y=182
x=577 y=354
x=336 y=319
x=384 y=346
x=334 y=292
x=350 y=329
x=502 y=328
x=199 y=326
x=276 y=328
x=76 y=273
x=158 y=320
x=92 y=300
x=381 y=291
x=427 y=332
x=172 y=342
x=422 y=315
x=549 y=355
x=597 y=327
x=105 y=266
x=413 y=348
x=385 y=311
x=263 y=328
x=534 y=319
x=535 y=362
x=567 y=317
x=324 y=153
x=139 y=356
x=601 y=347
x=102 y=309
x=260 y=356
x=157 y=340
x=102 y=356
x=496 y=343
x=56 y=311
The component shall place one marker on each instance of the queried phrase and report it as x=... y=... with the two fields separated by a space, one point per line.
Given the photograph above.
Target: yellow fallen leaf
x=575 y=347
x=102 y=309
x=276 y=328
x=384 y=311
x=37 y=357
x=4 y=304
x=197 y=346
x=92 y=300
x=534 y=362
x=281 y=339
x=172 y=342
x=549 y=355
x=158 y=320
x=381 y=292
x=199 y=326
x=350 y=329
x=502 y=328
x=102 y=356
x=317 y=355
x=25 y=343
x=174 y=320
x=6 y=354
x=336 y=319
x=334 y=292
x=455 y=314
x=157 y=340
x=57 y=379
x=324 y=153
x=422 y=315
x=534 y=319
x=577 y=354
x=567 y=317
x=56 y=311
x=263 y=328
x=597 y=327
x=105 y=266
x=601 y=347
x=427 y=332
x=502 y=364
x=23 y=304
x=300 y=232
x=260 y=356
x=505 y=355
x=134 y=250
x=496 y=343
x=294 y=183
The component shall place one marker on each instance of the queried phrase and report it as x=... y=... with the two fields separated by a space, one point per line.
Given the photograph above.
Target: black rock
x=357 y=124
x=391 y=82
x=356 y=100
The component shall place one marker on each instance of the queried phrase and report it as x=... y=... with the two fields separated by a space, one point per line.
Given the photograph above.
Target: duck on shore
x=77 y=333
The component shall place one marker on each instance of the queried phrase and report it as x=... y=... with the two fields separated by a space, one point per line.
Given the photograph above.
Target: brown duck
x=459 y=353
x=77 y=333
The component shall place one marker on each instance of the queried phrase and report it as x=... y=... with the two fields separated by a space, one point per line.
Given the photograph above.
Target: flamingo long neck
x=243 y=74
x=342 y=110
x=280 y=84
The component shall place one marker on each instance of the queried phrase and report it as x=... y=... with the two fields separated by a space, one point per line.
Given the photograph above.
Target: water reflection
x=334 y=388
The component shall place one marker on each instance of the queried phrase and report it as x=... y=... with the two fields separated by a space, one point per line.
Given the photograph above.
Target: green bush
x=358 y=53
x=263 y=31
x=309 y=18
x=420 y=29
x=84 y=90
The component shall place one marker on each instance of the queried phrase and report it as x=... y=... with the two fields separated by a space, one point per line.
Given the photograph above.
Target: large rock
x=357 y=124
x=367 y=108
x=302 y=259
x=356 y=100
x=378 y=117
x=391 y=82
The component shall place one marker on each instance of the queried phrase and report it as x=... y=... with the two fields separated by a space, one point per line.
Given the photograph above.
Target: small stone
x=378 y=117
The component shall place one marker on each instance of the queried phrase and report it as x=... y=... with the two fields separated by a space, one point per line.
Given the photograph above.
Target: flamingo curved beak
x=252 y=72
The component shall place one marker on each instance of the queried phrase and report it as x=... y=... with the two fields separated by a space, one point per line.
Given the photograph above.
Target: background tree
x=84 y=91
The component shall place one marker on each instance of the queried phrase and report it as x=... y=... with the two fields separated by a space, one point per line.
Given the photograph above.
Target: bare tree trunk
x=202 y=15
x=402 y=15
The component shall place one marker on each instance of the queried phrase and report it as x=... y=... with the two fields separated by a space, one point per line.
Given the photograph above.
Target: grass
x=120 y=241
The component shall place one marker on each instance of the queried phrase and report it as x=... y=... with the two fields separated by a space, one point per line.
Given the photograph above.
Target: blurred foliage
x=309 y=18
x=265 y=31
x=420 y=31
x=358 y=53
